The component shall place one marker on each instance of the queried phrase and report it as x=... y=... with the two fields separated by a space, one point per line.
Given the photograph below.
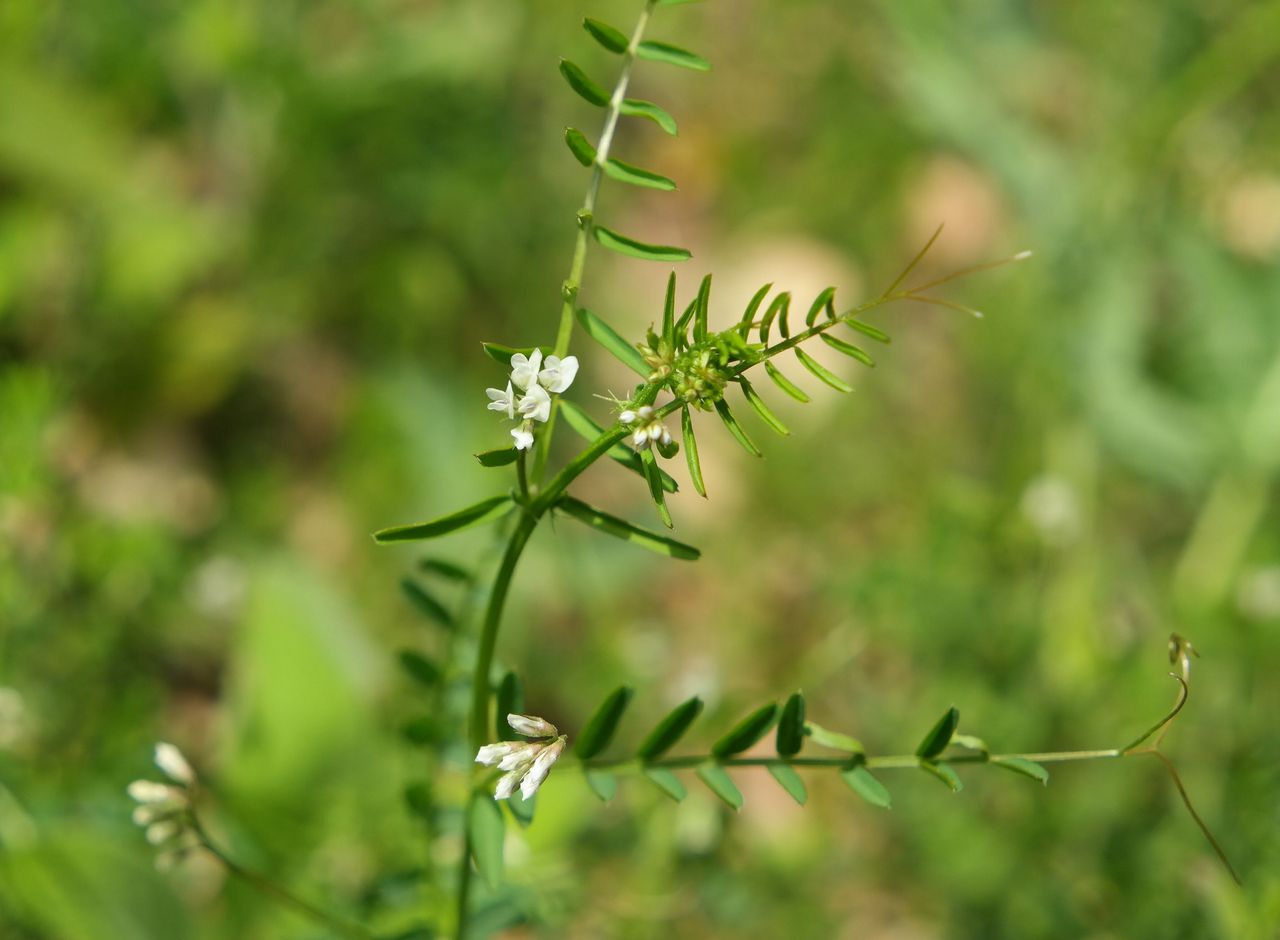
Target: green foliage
x=791 y=728
x=670 y=730
x=939 y=736
x=599 y=731
x=484 y=511
x=624 y=245
x=747 y=732
x=719 y=783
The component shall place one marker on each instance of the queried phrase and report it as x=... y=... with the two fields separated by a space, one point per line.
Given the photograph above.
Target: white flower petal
x=627 y=417
x=506 y=786
x=525 y=369
x=502 y=401
x=161 y=832
x=645 y=412
x=536 y=404
x=541 y=767
x=519 y=761
x=531 y=726
x=150 y=792
x=559 y=373
x=170 y=760
x=491 y=754
x=523 y=437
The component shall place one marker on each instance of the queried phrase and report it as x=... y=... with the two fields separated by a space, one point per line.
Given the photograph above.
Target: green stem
x=268 y=887
x=886 y=762
x=586 y=214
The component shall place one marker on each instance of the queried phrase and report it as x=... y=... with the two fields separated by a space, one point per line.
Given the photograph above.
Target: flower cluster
x=526 y=763
x=164 y=809
x=645 y=428
x=527 y=397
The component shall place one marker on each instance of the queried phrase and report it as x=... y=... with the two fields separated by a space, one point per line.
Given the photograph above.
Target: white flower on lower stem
x=525 y=763
x=645 y=427
x=525 y=369
x=502 y=401
x=164 y=810
x=523 y=436
x=170 y=760
x=536 y=404
x=558 y=374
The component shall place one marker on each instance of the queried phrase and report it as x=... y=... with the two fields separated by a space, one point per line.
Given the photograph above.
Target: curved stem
x=268 y=887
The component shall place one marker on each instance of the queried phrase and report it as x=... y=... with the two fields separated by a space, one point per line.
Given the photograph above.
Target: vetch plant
x=689 y=366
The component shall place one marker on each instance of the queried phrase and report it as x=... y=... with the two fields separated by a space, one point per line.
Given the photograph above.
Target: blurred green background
x=247 y=254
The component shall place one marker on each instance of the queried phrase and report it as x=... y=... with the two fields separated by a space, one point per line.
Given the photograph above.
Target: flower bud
x=531 y=726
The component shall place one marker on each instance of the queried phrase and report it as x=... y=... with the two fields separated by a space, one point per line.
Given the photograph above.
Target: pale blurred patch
x=1258 y=593
x=959 y=196
x=1247 y=214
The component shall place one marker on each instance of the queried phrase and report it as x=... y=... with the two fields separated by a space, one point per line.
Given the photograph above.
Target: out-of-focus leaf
x=521 y=808
x=422 y=731
x=866 y=786
x=636 y=176
x=501 y=457
x=602 y=783
x=672 y=55
x=790 y=781
x=608 y=36
x=595 y=737
x=833 y=739
x=730 y=422
x=1020 y=765
x=502 y=354
x=485 y=832
x=445 y=569
x=939 y=736
x=721 y=784
x=691 y=452
x=756 y=402
x=944 y=773
x=607 y=337
x=620 y=528
x=420 y=668
x=638 y=249
x=588 y=430
x=425 y=603
x=790 y=736
x=667 y=782
x=855 y=352
x=785 y=383
x=484 y=511
x=583 y=85
x=634 y=107
x=579 y=146
x=510 y=701
x=821 y=373
x=670 y=730
x=747 y=732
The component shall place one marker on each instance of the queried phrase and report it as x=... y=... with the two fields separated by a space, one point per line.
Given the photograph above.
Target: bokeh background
x=248 y=252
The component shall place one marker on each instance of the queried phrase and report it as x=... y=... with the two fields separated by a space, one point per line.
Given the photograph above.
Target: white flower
x=503 y=401
x=559 y=373
x=150 y=793
x=175 y=766
x=536 y=404
x=492 y=754
x=531 y=726
x=518 y=761
x=506 y=786
x=524 y=369
x=161 y=832
x=523 y=436
x=541 y=767
x=647 y=428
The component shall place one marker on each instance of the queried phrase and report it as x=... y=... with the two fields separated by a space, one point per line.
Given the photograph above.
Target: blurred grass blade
x=944 y=773
x=650 y=463
x=626 y=173
x=749 y=315
x=509 y=701
x=602 y=783
x=790 y=781
x=785 y=383
x=445 y=569
x=579 y=146
x=821 y=373
x=484 y=511
x=756 y=402
x=824 y=299
x=585 y=426
x=730 y=422
x=605 y=335
x=669 y=311
x=781 y=302
x=747 y=732
x=608 y=36
x=855 y=352
x=637 y=249
x=595 y=737
x=1020 y=765
x=425 y=603
x=667 y=782
x=498 y=458
x=419 y=668
x=670 y=730
x=939 y=736
x=866 y=329
x=620 y=528
x=790 y=736
x=866 y=786
x=634 y=107
x=486 y=829
x=672 y=55
x=700 y=309
x=583 y=85
x=691 y=451
x=721 y=784
x=833 y=739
